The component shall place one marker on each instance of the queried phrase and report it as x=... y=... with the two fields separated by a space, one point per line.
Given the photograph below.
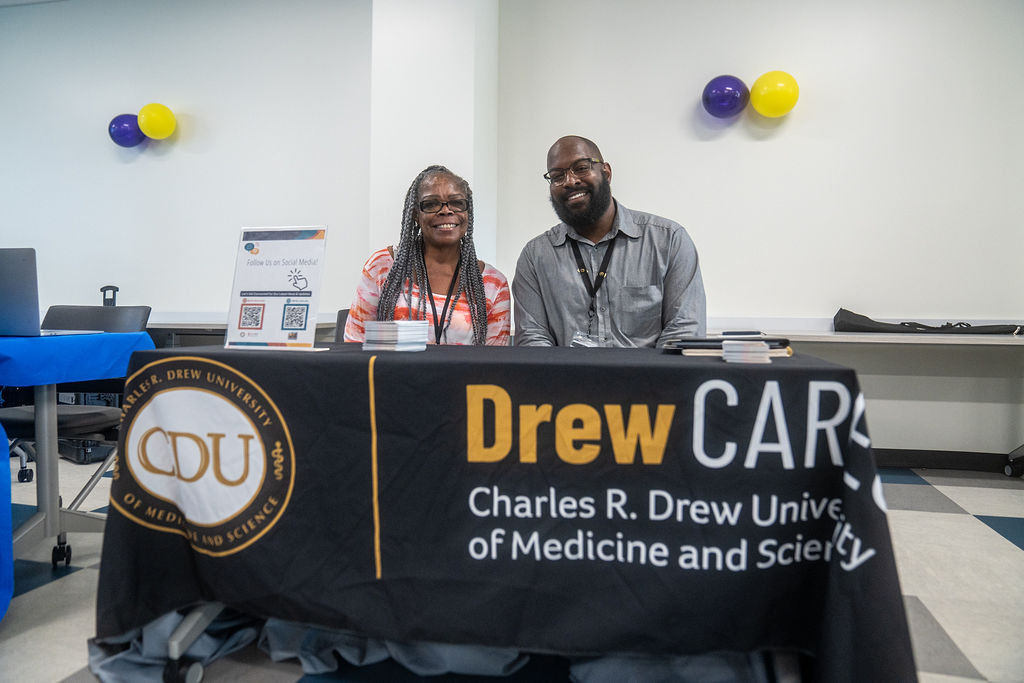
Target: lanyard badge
x=439 y=322
x=592 y=286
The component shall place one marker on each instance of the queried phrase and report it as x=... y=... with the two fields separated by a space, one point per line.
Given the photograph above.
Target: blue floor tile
x=20 y=514
x=1010 y=528
x=899 y=475
x=29 y=574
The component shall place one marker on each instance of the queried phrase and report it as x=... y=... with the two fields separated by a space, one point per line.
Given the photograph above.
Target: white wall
x=891 y=189
x=954 y=398
x=290 y=112
x=435 y=70
x=272 y=100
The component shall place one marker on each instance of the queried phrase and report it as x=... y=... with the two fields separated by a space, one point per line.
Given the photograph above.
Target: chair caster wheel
x=182 y=671
x=1014 y=468
x=61 y=553
x=25 y=475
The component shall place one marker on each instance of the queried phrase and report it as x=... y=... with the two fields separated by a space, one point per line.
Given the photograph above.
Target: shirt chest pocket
x=636 y=311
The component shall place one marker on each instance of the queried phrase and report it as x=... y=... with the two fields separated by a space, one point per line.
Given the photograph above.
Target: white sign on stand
x=276 y=292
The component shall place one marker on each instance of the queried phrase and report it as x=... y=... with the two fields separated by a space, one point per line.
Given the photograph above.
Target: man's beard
x=600 y=199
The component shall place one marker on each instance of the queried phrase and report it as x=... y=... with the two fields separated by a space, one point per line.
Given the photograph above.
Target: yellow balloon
x=156 y=121
x=773 y=94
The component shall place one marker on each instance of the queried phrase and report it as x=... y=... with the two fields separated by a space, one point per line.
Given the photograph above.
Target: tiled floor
x=958 y=536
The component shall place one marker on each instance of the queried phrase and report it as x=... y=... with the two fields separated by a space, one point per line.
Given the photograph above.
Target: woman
x=434 y=273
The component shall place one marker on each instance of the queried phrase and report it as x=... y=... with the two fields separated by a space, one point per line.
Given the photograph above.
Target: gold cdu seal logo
x=204 y=453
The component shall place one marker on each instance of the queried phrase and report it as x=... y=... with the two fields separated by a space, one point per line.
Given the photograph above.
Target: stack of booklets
x=745 y=351
x=395 y=335
x=735 y=350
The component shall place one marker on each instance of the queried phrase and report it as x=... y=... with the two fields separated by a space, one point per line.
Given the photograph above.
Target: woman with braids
x=434 y=273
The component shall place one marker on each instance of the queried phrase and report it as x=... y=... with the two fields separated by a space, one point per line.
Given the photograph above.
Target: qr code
x=294 y=317
x=251 y=317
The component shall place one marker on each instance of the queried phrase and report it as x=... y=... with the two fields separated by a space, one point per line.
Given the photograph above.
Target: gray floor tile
x=920 y=498
x=980 y=500
x=955 y=556
x=988 y=634
x=934 y=650
x=43 y=637
x=992 y=480
x=80 y=676
x=250 y=664
x=926 y=677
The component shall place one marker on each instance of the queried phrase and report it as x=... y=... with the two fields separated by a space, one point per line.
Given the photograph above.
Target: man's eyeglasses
x=434 y=205
x=580 y=168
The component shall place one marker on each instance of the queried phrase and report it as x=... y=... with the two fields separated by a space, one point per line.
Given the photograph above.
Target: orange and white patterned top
x=375 y=272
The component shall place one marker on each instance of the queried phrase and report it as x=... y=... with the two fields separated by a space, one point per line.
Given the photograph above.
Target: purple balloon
x=124 y=130
x=725 y=96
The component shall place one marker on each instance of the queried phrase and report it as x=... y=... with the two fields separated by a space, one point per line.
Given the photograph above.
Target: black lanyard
x=595 y=286
x=439 y=324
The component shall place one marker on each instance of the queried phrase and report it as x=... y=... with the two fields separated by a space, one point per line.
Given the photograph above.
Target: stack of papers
x=745 y=352
x=395 y=335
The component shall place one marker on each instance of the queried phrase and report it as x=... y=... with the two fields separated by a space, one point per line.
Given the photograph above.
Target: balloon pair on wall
x=154 y=121
x=773 y=94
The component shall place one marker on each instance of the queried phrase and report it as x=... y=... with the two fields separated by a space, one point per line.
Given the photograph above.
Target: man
x=605 y=275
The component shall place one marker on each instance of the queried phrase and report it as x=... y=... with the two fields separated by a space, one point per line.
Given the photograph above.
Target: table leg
x=47 y=477
x=51 y=520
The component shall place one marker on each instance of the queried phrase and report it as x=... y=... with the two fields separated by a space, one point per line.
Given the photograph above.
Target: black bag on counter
x=848 y=321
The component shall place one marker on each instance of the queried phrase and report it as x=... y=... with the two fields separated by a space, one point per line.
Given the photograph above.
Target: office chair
x=339 y=327
x=83 y=423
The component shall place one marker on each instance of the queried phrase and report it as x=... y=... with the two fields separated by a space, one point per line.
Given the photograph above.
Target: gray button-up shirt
x=653 y=293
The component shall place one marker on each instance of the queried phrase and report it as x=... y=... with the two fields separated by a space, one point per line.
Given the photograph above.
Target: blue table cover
x=30 y=361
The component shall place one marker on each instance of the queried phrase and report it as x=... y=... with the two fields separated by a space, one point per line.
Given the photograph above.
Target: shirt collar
x=623 y=223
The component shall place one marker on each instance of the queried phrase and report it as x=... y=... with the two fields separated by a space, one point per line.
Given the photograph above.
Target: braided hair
x=410 y=269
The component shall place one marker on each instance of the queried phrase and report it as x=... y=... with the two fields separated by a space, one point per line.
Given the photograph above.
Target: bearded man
x=606 y=275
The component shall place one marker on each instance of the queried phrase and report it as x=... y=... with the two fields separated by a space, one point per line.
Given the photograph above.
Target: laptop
x=19 y=296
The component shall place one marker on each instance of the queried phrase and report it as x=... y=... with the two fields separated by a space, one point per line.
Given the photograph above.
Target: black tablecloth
x=573 y=501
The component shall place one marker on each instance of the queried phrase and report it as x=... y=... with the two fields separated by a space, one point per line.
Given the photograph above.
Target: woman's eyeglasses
x=434 y=205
